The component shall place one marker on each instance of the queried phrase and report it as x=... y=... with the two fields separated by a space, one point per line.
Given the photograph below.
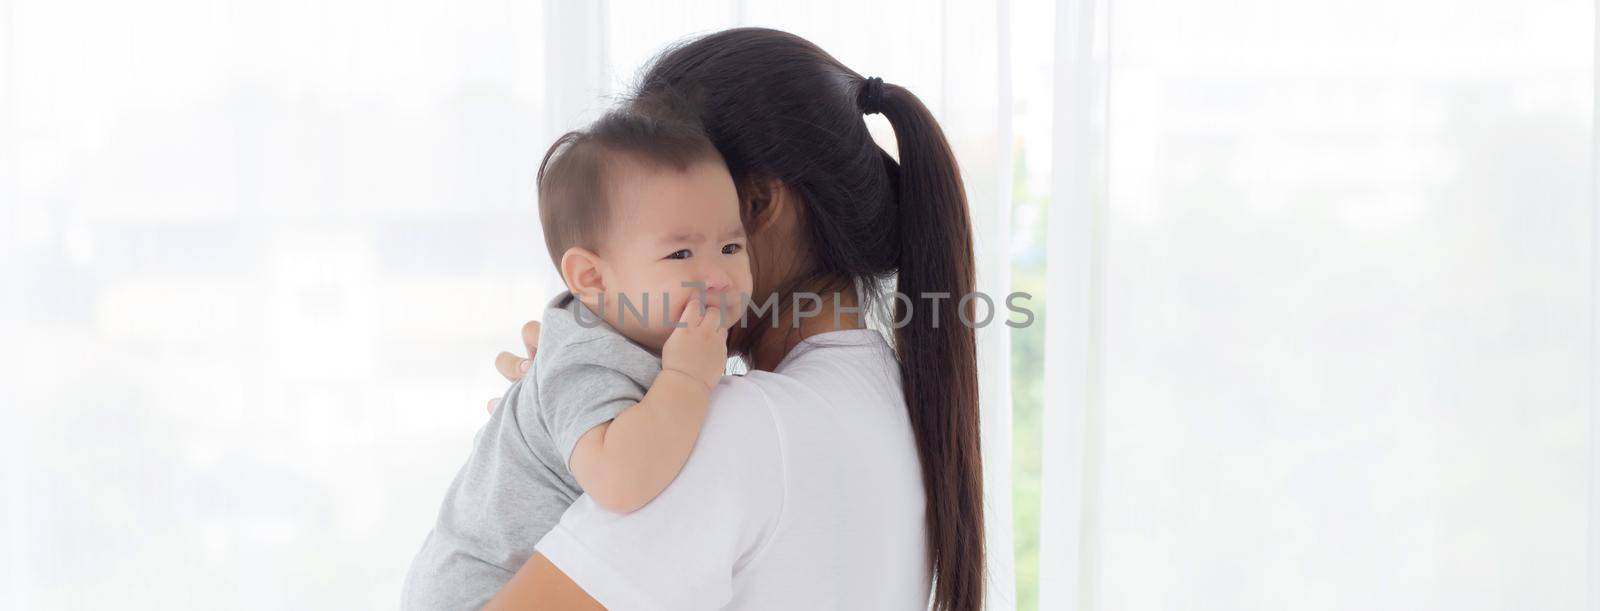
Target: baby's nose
x=719 y=288
x=717 y=279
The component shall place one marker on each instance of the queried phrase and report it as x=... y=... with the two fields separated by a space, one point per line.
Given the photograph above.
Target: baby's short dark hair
x=573 y=204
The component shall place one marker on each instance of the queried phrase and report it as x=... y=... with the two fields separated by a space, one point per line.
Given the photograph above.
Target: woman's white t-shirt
x=803 y=492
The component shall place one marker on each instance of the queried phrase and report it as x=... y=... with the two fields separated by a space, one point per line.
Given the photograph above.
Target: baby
x=642 y=220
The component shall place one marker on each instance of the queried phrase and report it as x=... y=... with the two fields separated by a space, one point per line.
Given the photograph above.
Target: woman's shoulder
x=752 y=407
x=841 y=370
x=740 y=418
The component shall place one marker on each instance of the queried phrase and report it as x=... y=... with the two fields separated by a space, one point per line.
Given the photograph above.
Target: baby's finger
x=493 y=403
x=726 y=317
x=731 y=307
x=693 y=314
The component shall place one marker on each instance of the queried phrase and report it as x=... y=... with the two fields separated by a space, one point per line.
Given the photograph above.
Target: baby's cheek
x=746 y=282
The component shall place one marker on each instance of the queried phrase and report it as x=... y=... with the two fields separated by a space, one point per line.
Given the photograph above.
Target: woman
x=839 y=473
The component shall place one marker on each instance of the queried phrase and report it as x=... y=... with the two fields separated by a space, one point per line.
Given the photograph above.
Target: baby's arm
x=624 y=463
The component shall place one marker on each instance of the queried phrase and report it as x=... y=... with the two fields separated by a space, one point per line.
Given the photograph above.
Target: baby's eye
x=730 y=249
x=682 y=254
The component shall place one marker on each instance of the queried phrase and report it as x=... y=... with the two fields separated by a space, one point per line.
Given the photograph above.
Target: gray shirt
x=516 y=484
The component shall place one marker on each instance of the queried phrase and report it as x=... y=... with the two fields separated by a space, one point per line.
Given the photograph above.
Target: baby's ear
x=580 y=268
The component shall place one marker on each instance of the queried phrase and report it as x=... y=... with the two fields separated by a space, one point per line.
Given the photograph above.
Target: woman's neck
x=838 y=311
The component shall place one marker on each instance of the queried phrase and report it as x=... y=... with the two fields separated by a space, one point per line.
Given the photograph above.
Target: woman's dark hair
x=781 y=109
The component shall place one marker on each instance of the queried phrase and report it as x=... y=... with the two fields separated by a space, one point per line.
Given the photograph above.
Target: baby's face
x=670 y=229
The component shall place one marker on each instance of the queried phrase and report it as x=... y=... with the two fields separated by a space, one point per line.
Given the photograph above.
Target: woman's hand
x=513 y=367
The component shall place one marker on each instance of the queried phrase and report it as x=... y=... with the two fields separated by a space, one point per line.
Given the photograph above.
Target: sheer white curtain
x=258 y=258
x=1321 y=306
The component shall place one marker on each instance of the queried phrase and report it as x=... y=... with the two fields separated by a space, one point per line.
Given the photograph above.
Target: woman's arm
x=540 y=586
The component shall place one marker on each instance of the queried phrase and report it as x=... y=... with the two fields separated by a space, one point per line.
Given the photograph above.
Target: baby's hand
x=699 y=346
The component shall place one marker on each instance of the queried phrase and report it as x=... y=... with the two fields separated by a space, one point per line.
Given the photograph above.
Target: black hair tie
x=871 y=99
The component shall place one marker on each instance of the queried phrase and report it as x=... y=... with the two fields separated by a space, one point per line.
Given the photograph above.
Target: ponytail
x=937 y=352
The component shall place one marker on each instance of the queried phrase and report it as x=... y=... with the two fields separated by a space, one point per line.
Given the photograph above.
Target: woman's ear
x=766 y=202
x=581 y=269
